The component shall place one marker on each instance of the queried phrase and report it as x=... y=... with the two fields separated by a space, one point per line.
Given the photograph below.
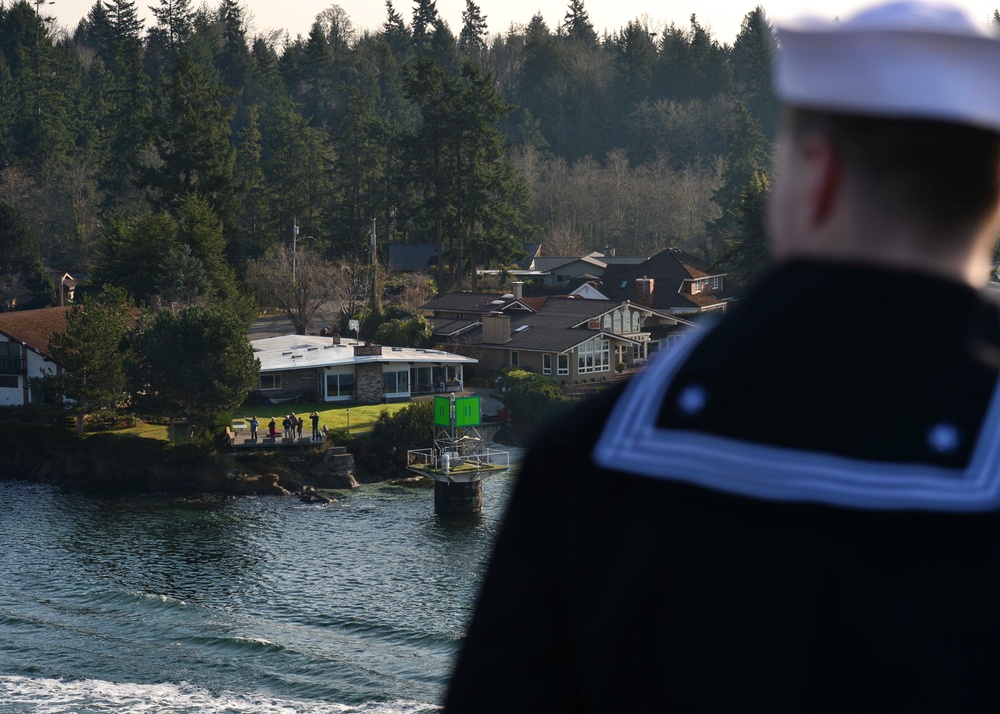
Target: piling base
x=458 y=498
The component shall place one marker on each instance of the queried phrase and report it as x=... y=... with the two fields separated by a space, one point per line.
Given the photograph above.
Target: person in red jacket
x=797 y=510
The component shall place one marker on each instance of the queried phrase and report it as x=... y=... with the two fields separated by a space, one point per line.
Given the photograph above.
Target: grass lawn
x=332 y=416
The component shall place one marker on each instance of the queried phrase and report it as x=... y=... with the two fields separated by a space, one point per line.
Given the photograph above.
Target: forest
x=173 y=161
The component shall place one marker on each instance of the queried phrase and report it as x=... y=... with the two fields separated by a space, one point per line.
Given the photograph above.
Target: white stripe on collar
x=632 y=442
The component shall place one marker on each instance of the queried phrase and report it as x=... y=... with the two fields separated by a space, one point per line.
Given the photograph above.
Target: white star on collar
x=692 y=399
x=943 y=437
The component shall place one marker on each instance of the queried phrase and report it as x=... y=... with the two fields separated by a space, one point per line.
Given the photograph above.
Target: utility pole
x=376 y=294
x=295 y=238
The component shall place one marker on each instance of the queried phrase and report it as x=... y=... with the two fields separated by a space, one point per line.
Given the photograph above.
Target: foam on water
x=19 y=695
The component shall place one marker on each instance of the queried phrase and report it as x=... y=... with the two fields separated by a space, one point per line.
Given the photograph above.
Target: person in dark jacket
x=797 y=510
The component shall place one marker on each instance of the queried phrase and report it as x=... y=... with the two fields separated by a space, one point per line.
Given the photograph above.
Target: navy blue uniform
x=797 y=511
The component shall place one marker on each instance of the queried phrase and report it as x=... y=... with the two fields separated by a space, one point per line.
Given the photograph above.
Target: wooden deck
x=240 y=442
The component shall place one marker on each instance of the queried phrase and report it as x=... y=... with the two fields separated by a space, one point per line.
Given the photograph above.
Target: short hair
x=944 y=175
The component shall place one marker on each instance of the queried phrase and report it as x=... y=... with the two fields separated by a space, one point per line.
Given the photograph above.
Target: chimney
x=368 y=349
x=496 y=328
x=517 y=288
x=644 y=291
x=335 y=338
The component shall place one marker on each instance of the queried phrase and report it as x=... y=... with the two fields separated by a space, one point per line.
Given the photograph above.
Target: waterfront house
x=671 y=281
x=24 y=351
x=570 y=338
x=336 y=369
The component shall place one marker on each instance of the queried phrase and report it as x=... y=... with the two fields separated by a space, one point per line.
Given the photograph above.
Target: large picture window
x=594 y=356
x=270 y=381
x=340 y=384
x=395 y=383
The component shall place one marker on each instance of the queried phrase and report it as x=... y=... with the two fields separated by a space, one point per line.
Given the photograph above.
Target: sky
x=723 y=17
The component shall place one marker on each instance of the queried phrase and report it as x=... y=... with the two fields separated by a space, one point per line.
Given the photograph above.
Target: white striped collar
x=632 y=442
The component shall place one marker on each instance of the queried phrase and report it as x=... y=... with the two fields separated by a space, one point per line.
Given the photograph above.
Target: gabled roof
x=669 y=270
x=34 y=327
x=549 y=263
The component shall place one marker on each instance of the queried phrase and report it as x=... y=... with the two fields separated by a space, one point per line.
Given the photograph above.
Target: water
x=250 y=605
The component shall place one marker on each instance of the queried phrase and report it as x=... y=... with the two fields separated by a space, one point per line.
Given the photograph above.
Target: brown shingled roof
x=34 y=327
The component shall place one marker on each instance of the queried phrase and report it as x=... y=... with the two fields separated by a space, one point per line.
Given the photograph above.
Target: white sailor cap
x=903 y=59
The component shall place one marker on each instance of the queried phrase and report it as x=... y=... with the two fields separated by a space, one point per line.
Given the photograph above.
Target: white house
x=24 y=350
x=340 y=369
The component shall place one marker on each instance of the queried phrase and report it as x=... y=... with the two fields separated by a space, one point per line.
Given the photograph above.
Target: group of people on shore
x=291 y=424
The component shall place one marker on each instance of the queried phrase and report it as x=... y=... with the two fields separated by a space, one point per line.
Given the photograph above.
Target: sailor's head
x=891 y=127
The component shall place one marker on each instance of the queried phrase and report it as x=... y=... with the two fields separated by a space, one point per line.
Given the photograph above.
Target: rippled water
x=234 y=605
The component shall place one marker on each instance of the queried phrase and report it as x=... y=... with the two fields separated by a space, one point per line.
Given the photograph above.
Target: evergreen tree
x=472 y=40
x=748 y=254
x=577 y=25
x=746 y=156
x=192 y=142
x=201 y=231
x=129 y=251
x=297 y=161
x=91 y=353
x=174 y=21
x=196 y=363
x=425 y=22
x=751 y=62
x=395 y=32
x=23 y=279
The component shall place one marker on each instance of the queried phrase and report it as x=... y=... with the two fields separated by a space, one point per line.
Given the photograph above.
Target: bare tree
x=302 y=286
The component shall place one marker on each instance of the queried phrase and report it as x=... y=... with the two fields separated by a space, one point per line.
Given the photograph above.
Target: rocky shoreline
x=120 y=464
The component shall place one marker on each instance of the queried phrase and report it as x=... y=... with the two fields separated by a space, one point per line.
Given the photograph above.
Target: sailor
x=797 y=510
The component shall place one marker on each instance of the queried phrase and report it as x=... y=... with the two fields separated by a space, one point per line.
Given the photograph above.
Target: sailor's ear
x=823 y=176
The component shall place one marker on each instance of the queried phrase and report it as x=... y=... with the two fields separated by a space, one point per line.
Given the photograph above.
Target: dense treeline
x=163 y=159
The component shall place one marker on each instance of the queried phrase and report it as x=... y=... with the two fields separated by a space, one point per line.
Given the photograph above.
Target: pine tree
x=472 y=40
x=748 y=255
x=577 y=25
x=425 y=21
x=192 y=141
x=395 y=32
x=751 y=62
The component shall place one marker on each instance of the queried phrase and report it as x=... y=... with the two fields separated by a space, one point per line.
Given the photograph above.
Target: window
x=515 y=358
x=270 y=381
x=546 y=364
x=340 y=385
x=8 y=382
x=636 y=322
x=607 y=323
x=594 y=356
x=562 y=364
x=715 y=283
x=696 y=286
x=395 y=382
x=617 y=323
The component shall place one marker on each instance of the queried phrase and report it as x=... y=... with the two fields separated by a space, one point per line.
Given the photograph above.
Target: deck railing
x=11 y=365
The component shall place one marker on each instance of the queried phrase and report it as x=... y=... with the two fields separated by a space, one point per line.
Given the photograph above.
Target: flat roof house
x=336 y=369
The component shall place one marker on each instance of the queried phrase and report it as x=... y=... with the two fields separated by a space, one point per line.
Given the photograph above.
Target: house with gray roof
x=570 y=338
x=671 y=281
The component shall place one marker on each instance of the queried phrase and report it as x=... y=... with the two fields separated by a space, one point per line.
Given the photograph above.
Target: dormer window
x=715 y=283
x=696 y=287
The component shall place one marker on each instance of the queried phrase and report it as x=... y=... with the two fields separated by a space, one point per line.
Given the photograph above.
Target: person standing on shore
x=797 y=510
x=253 y=424
x=314 y=418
